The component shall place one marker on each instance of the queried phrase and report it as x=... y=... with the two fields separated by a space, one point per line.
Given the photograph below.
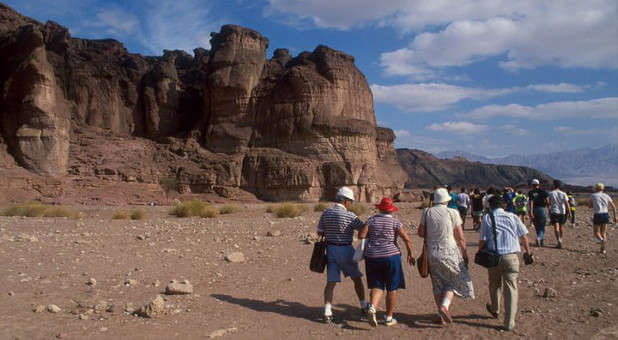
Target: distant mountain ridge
x=580 y=166
x=426 y=170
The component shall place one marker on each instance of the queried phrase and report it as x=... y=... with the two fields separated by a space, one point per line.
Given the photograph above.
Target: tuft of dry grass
x=229 y=209
x=121 y=215
x=289 y=210
x=194 y=208
x=37 y=209
x=320 y=207
x=358 y=208
x=423 y=205
x=270 y=209
x=138 y=214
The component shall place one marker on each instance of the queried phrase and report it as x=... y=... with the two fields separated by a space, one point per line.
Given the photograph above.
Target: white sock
x=388 y=318
x=327 y=309
x=446 y=303
x=363 y=304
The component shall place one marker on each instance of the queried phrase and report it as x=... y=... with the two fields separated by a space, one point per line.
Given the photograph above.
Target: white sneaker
x=371 y=313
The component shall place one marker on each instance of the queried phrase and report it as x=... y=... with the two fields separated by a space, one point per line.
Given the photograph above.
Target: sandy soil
x=272 y=294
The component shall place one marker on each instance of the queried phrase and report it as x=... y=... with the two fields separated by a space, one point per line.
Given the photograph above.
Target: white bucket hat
x=346 y=193
x=441 y=196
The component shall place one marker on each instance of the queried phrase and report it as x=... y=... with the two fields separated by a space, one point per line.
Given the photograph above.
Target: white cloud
x=116 y=21
x=429 y=97
x=557 y=88
x=563 y=128
x=457 y=127
x=612 y=131
x=596 y=109
x=513 y=130
x=402 y=133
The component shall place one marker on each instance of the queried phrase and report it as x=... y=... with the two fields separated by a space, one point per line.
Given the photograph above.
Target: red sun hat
x=386 y=205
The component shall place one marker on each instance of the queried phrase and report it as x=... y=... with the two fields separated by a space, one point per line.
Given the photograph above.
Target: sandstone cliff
x=94 y=119
x=425 y=170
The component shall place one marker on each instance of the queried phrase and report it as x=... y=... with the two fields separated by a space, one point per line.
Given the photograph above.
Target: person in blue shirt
x=508 y=196
x=453 y=202
x=509 y=232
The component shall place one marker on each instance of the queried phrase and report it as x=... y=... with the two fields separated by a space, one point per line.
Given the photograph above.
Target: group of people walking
x=500 y=219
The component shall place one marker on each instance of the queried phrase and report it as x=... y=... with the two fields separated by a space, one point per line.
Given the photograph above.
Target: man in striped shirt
x=338 y=224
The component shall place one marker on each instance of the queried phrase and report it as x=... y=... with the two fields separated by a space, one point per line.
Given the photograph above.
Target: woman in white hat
x=448 y=260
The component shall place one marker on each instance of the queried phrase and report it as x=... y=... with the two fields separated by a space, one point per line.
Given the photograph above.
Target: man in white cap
x=539 y=201
x=601 y=201
x=337 y=224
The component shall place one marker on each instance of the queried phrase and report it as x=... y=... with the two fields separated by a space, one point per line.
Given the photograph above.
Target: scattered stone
x=157 y=283
x=141 y=237
x=235 y=257
x=550 y=293
x=596 y=312
x=222 y=332
x=103 y=329
x=129 y=308
x=83 y=317
x=61 y=335
x=130 y=282
x=100 y=307
x=153 y=308
x=273 y=233
x=53 y=309
x=256 y=238
x=91 y=282
x=39 y=309
x=11 y=293
x=179 y=288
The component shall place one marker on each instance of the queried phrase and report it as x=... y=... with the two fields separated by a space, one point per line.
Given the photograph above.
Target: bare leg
x=359 y=287
x=596 y=231
x=391 y=301
x=603 y=233
x=557 y=232
x=329 y=291
x=375 y=296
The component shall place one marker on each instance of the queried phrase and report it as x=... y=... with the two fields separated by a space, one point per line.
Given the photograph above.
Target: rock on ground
x=179 y=288
x=235 y=257
x=153 y=308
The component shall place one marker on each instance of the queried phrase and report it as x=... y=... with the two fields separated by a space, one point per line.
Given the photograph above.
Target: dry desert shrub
x=36 y=209
x=358 y=208
x=582 y=202
x=320 y=207
x=289 y=210
x=423 y=205
x=270 y=209
x=194 y=208
x=138 y=214
x=121 y=215
x=228 y=209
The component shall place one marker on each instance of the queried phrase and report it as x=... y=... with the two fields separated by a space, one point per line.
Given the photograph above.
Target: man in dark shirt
x=539 y=201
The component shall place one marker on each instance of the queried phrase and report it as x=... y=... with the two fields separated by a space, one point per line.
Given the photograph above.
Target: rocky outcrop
x=425 y=170
x=227 y=121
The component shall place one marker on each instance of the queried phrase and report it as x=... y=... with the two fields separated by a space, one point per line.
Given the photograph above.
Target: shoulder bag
x=318 y=257
x=486 y=257
x=422 y=263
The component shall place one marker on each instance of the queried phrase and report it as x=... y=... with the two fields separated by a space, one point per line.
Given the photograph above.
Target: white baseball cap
x=441 y=196
x=535 y=182
x=346 y=193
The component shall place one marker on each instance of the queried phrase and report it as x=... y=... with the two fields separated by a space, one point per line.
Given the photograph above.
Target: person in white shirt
x=463 y=200
x=559 y=210
x=600 y=201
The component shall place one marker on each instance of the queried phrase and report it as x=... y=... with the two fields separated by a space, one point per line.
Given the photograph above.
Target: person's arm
x=461 y=242
x=408 y=242
x=568 y=206
x=421 y=225
x=483 y=233
x=362 y=233
x=611 y=204
x=531 y=211
x=524 y=240
x=321 y=226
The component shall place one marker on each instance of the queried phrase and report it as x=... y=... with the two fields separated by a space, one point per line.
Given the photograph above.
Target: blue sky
x=493 y=77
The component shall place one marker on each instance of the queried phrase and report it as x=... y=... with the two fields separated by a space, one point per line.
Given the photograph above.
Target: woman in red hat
x=383 y=259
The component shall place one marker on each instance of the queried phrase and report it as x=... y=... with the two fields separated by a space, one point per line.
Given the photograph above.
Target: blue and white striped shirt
x=338 y=224
x=382 y=236
x=509 y=229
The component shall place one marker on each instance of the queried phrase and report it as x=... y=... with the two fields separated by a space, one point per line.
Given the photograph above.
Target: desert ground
x=96 y=270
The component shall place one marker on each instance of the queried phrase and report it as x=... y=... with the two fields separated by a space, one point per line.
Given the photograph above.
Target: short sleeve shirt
x=463 y=200
x=558 y=200
x=338 y=224
x=538 y=196
x=600 y=202
x=509 y=229
x=453 y=202
x=382 y=236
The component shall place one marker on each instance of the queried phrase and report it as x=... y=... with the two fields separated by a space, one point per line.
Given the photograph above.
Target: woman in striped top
x=383 y=259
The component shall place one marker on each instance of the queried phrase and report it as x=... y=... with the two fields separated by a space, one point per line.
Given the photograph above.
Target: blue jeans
x=540 y=220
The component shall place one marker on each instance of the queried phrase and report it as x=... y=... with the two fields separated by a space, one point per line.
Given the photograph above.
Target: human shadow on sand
x=343 y=313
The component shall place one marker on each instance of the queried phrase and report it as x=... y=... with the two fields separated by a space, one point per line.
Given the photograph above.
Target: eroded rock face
x=223 y=121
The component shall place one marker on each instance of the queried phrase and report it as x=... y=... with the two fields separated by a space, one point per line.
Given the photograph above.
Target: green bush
x=358 y=208
x=228 y=209
x=320 y=207
x=138 y=214
x=121 y=215
x=289 y=210
x=194 y=208
x=36 y=209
